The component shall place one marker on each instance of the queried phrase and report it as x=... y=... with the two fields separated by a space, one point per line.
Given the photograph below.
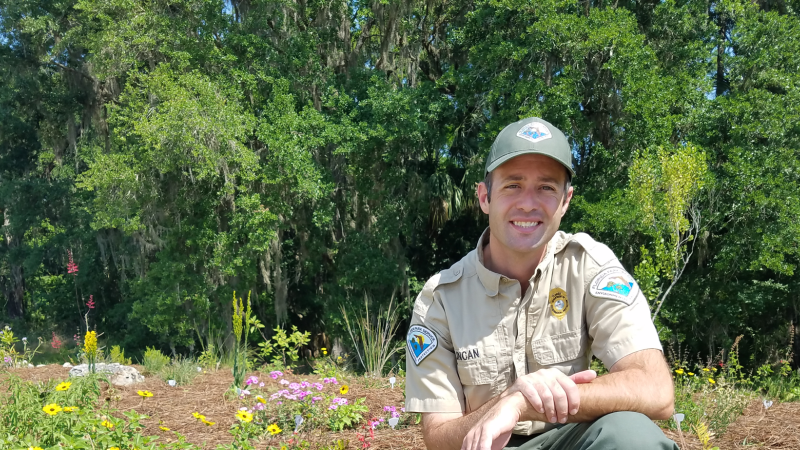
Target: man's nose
x=529 y=201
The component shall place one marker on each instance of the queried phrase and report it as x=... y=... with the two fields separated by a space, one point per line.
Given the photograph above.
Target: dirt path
x=777 y=428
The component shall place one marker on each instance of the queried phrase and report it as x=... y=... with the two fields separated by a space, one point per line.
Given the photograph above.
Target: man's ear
x=483 y=197
x=567 y=198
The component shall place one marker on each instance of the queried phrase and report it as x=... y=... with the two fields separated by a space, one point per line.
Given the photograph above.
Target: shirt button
x=457 y=272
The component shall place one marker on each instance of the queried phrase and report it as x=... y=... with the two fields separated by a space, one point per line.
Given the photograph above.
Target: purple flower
x=316 y=399
x=261 y=384
x=258 y=406
x=275 y=374
x=251 y=380
x=395 y=414
x=294 y=386
x=319 y=386
x=284 y=381
x=333 y=407
x=304 y=384
x=7 y=359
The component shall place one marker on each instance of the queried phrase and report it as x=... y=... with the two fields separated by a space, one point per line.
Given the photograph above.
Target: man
x=500 y=343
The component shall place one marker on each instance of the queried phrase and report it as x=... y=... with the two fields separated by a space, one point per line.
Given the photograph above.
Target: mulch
x=172 y=407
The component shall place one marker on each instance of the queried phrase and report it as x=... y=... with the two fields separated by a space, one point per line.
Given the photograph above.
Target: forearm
x=446 y=435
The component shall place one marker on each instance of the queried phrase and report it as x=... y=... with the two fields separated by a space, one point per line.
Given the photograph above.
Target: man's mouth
x=525 y=224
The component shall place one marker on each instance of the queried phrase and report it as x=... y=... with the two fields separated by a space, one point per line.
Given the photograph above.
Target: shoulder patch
x=600 y=253
x=421 y=342
x=614 y=283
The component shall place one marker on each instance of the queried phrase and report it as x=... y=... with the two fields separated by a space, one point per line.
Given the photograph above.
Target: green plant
x=284 y=349
x=182 y=370
x=241 y=327
x=373 y=339
x=117 y=355
x=347 y=416
x=154 y=360
x=8 y=353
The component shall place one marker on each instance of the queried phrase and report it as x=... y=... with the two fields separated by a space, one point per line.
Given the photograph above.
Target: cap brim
x=499 y=161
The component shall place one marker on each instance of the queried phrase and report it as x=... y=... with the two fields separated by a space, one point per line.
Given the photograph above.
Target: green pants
x=616 y=431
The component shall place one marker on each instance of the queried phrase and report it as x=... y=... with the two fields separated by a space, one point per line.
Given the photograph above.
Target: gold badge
x=559 y=305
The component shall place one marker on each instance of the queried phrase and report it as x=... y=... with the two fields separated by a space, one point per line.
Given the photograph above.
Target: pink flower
x=333 y=407
x=294 y=386
x=90 y=303
x=261 y=384
x=395 y=414
x=284 y=381
x=319 y=386
x=251 y=380
x=275 y=374
x=72 y=268
x=258 y=406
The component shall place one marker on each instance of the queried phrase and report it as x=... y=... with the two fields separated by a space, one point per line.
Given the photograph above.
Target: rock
x=40 y=365
x=66 y=364
x=30 y=366
x=119 y=375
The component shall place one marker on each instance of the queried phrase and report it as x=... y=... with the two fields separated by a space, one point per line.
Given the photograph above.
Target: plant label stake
x=767 y=404
x=393 y=422
x=298 y=420
x=392 y=380
x=172 y=383
x=678 y=419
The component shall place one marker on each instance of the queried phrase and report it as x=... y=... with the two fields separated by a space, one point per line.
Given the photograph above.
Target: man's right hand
x=552 y=393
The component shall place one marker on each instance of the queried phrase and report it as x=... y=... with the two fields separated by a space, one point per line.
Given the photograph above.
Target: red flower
x=56 y=341
x=72 y=268
x=90 y=303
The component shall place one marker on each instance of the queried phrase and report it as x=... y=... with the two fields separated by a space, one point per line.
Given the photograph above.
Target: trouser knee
x=627 y=430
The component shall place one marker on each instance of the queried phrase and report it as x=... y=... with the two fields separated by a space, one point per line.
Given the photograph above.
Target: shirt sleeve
x=617 y=315
x=432 y=382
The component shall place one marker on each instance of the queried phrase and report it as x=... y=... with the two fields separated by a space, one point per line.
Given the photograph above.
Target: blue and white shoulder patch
x=614 y=283
x=421 y=342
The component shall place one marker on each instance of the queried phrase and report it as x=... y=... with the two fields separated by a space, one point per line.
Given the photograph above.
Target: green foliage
x=241 y=320
x=373 y=337
x=182 y=370
x=117 y=355
x=9 y=356
x=154 y=361
x=284 y=349
x=347 y=416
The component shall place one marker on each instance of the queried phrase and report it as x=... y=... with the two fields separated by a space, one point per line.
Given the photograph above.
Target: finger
x=532 y=395
x=586 y=376
x=560 y=401
x=547 y=400
x=572 y=394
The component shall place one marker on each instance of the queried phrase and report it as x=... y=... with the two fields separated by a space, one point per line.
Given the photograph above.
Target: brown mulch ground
x=777 y=428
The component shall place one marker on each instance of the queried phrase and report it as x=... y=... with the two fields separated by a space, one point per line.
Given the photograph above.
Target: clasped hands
x=548 y=391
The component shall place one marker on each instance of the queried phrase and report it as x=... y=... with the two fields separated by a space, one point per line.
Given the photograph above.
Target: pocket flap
x=478 y=371
x=557 y=348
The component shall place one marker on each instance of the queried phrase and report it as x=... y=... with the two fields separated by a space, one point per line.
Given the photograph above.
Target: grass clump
x=182 y=370
x=154 y=360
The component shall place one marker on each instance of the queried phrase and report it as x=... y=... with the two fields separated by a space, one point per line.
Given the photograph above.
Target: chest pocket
x=558 y=348
x=477 y=379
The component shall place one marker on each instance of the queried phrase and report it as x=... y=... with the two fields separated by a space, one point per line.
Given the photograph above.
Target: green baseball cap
x=531 y=135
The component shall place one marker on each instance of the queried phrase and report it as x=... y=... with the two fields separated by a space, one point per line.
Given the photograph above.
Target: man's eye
x=512 y=186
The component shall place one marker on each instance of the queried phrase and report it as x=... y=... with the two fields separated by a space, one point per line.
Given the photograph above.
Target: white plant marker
x=393 y=422
x=298 y=420
x=767 y=403
x=392 y=380
x=199 y=369
x=172 y=383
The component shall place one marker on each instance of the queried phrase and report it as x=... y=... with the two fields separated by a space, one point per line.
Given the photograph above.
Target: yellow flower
x=339 y=358
x=324 y=351
x=164 y=428
x=691 y=374
x=207 y=422
x=107 y=424
x=343 y=390
x=51 y=409
x=274 y=429
x=198 y=416
x=261 y=399
x=706 y=369
x=63 y=386
x=70 y=408
x=283 y=447
x=35 y=448
x=711 y=380
x=113 y=448
x=90 y=343
x=144 y=393
x=679 y=371
x=244 y=416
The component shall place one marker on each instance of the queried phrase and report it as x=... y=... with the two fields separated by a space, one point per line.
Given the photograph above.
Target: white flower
x=172 y=383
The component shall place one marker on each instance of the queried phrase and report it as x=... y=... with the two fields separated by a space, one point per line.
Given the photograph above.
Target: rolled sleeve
x=619 y=326
x=433 y=385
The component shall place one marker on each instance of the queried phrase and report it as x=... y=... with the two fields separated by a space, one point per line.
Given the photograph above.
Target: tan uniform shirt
x=472 y=333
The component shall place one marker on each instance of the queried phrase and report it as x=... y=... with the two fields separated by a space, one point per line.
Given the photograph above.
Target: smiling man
x=500 y=343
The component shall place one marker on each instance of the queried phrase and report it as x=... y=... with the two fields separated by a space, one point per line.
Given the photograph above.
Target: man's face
x=527 y=202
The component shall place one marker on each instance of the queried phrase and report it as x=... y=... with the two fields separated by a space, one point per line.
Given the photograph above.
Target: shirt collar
x=491 y=280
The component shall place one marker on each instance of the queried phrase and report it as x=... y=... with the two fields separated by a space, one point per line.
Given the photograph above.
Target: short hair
x=487 y=180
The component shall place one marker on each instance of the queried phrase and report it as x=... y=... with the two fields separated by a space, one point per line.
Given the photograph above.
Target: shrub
x=154 y=360
x=117 y=355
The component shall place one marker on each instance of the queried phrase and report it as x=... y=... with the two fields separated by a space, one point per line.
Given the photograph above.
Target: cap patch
x=614 y=283
x=421 y=342
x=534 y=132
